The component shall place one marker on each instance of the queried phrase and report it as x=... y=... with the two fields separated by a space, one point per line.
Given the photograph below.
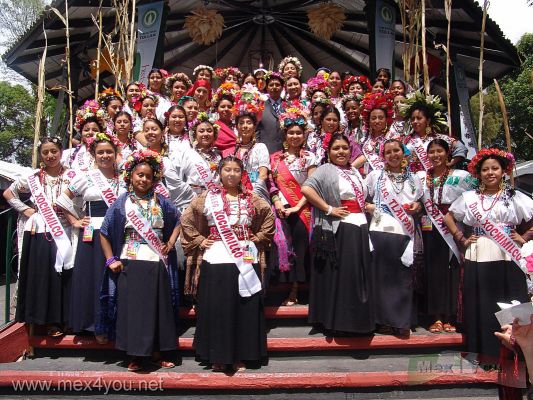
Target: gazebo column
x=381 y=17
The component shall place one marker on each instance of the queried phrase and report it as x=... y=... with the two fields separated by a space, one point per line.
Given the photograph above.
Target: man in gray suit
x=269 y=131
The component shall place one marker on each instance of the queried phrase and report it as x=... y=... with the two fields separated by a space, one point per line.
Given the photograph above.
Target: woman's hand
x=82 y=223
x=414 y=208
x=370 y=208
x=116 y=266
x=280 y=209
x=340 y=212
x=470 y=240
x=292 y=210
x=168 y=247
x=519 y=240
x=207 y=243
x=28 y=212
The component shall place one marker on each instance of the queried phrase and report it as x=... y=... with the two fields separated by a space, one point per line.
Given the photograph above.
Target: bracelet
x=275 y=198
x=330 y=210
x=111 y=260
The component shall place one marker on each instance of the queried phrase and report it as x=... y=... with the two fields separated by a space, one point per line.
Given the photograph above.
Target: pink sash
x=103 y=186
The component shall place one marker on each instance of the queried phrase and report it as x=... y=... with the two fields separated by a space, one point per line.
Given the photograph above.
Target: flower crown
x=290 y=60
x=204 y=117
x=361 y=80
x=223 y=73
x=180 y=76
x=483 y=154
x=373 y=101
x=145 y=94
x=107 y=95
x=431 y=103
x=143 y=156
x=274 y=75
x=201 y=67
x=163 y=72
x=90 y=109
x=321 y=101
x=249 y=100
x=292 y=116
x=101 y=137
x=406 y=151
x=351 y=97
x=52 y=139
x=318 y=84
x=227 y=89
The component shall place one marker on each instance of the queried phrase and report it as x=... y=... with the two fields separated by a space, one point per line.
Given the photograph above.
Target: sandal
x=218 y=367
x=55 y=332
x=239 y=367
x=437 y=327
x=163 y=363
x=290 y=301
x=134 y=366
x=449 y=328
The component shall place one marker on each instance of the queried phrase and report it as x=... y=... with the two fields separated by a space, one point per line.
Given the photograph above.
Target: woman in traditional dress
x=97 y=189
x=89 y=121
x=203 y=72
x=133 y=90
x=398 y=87
x=293 y=96
x=384 y=75
x=190 y=105
x=395 y=193
x=144 y=106
x=230 y=75
x=340 y=298
x=201 y=92
x=177 y=86
x=223 y=102
x=352 y=110
x=335 y=82
x=356 y=85
x=427 y=123
x=398 y=126
x=329 y=124
x=255 y=157
x=290 y=67
x=140 y=288
x=111 y=102
x=47 y=255
x=225 y=261
x=442 y=187
x=376 y=113
x=123 y=131
x=176 y=131
x=156 y=82
x=491 y=274
x=290 y=169
x=317 y=88
x=378 y=87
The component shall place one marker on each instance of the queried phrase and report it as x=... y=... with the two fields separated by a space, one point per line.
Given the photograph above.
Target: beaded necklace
x=246 y=198
x=398 y=181
x=248 y=149
x=441 y=181
x=57 y=183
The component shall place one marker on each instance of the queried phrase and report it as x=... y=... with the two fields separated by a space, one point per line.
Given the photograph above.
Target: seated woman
x=290 y=169
x=140 y=287
x=97 y=189
x=395 y=193
x=224 y=235
x=341 y=294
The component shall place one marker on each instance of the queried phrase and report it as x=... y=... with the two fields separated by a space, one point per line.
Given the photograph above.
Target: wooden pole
x=505 y=121
x=448 y=10
x=41 y=80
x=99 y=51
x=424 y=54
x=480 y=87
x=69 y=80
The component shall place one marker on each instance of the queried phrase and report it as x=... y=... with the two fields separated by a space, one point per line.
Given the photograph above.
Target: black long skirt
x=442 y=276
x=229 y=328
x=145 y=317
x=300 y=246
x=43 y=293
x=341 y=296
x=485 y=284
x=393 y=280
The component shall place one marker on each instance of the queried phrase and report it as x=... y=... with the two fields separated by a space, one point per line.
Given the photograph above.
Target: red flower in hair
x=246 y=182
x=373 y=101
x=483 y=154
x=137 y=104
x=325 y=142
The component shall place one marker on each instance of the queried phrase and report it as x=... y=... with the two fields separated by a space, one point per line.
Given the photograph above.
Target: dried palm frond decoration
x=326 y=19
x=411 y=16
x=204 y=26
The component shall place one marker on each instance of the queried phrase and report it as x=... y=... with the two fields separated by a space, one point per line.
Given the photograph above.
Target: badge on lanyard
x=426 y=223
x=132 y=249
x=88 y=233
x=249 y=255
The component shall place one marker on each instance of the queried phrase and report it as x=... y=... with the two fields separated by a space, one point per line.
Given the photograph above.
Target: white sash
x=421 y=152
x=438 y=221
x=373 y=159
x=395 y=205
x=492 y=229
x=205 y=176
x=249 y=282
x=162 y=190
x=103 y=186
x=144 y=228
x=61 y=239
x=357 y=187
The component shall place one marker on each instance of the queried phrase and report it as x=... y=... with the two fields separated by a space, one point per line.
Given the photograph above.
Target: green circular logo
x=387 y=14
x=150 y=17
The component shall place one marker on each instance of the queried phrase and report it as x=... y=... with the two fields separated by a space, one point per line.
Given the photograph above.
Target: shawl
x=195 y=229
x=226 y=137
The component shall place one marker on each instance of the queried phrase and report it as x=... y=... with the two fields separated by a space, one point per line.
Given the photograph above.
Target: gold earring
x=502 y=184
x=428 y=130
x=404 y=163
x=481 y=187
x=42 y=164
x=285 y=146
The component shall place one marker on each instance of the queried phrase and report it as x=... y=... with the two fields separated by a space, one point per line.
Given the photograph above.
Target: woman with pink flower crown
x=89 y=121
x=341 y=293
x=492 y=246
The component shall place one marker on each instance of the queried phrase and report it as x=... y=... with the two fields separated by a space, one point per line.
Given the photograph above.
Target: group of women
x=182 y=191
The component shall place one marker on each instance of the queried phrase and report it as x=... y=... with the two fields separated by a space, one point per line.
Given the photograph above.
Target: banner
x=148 y=26
x=468 y=135
x=385 y=31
